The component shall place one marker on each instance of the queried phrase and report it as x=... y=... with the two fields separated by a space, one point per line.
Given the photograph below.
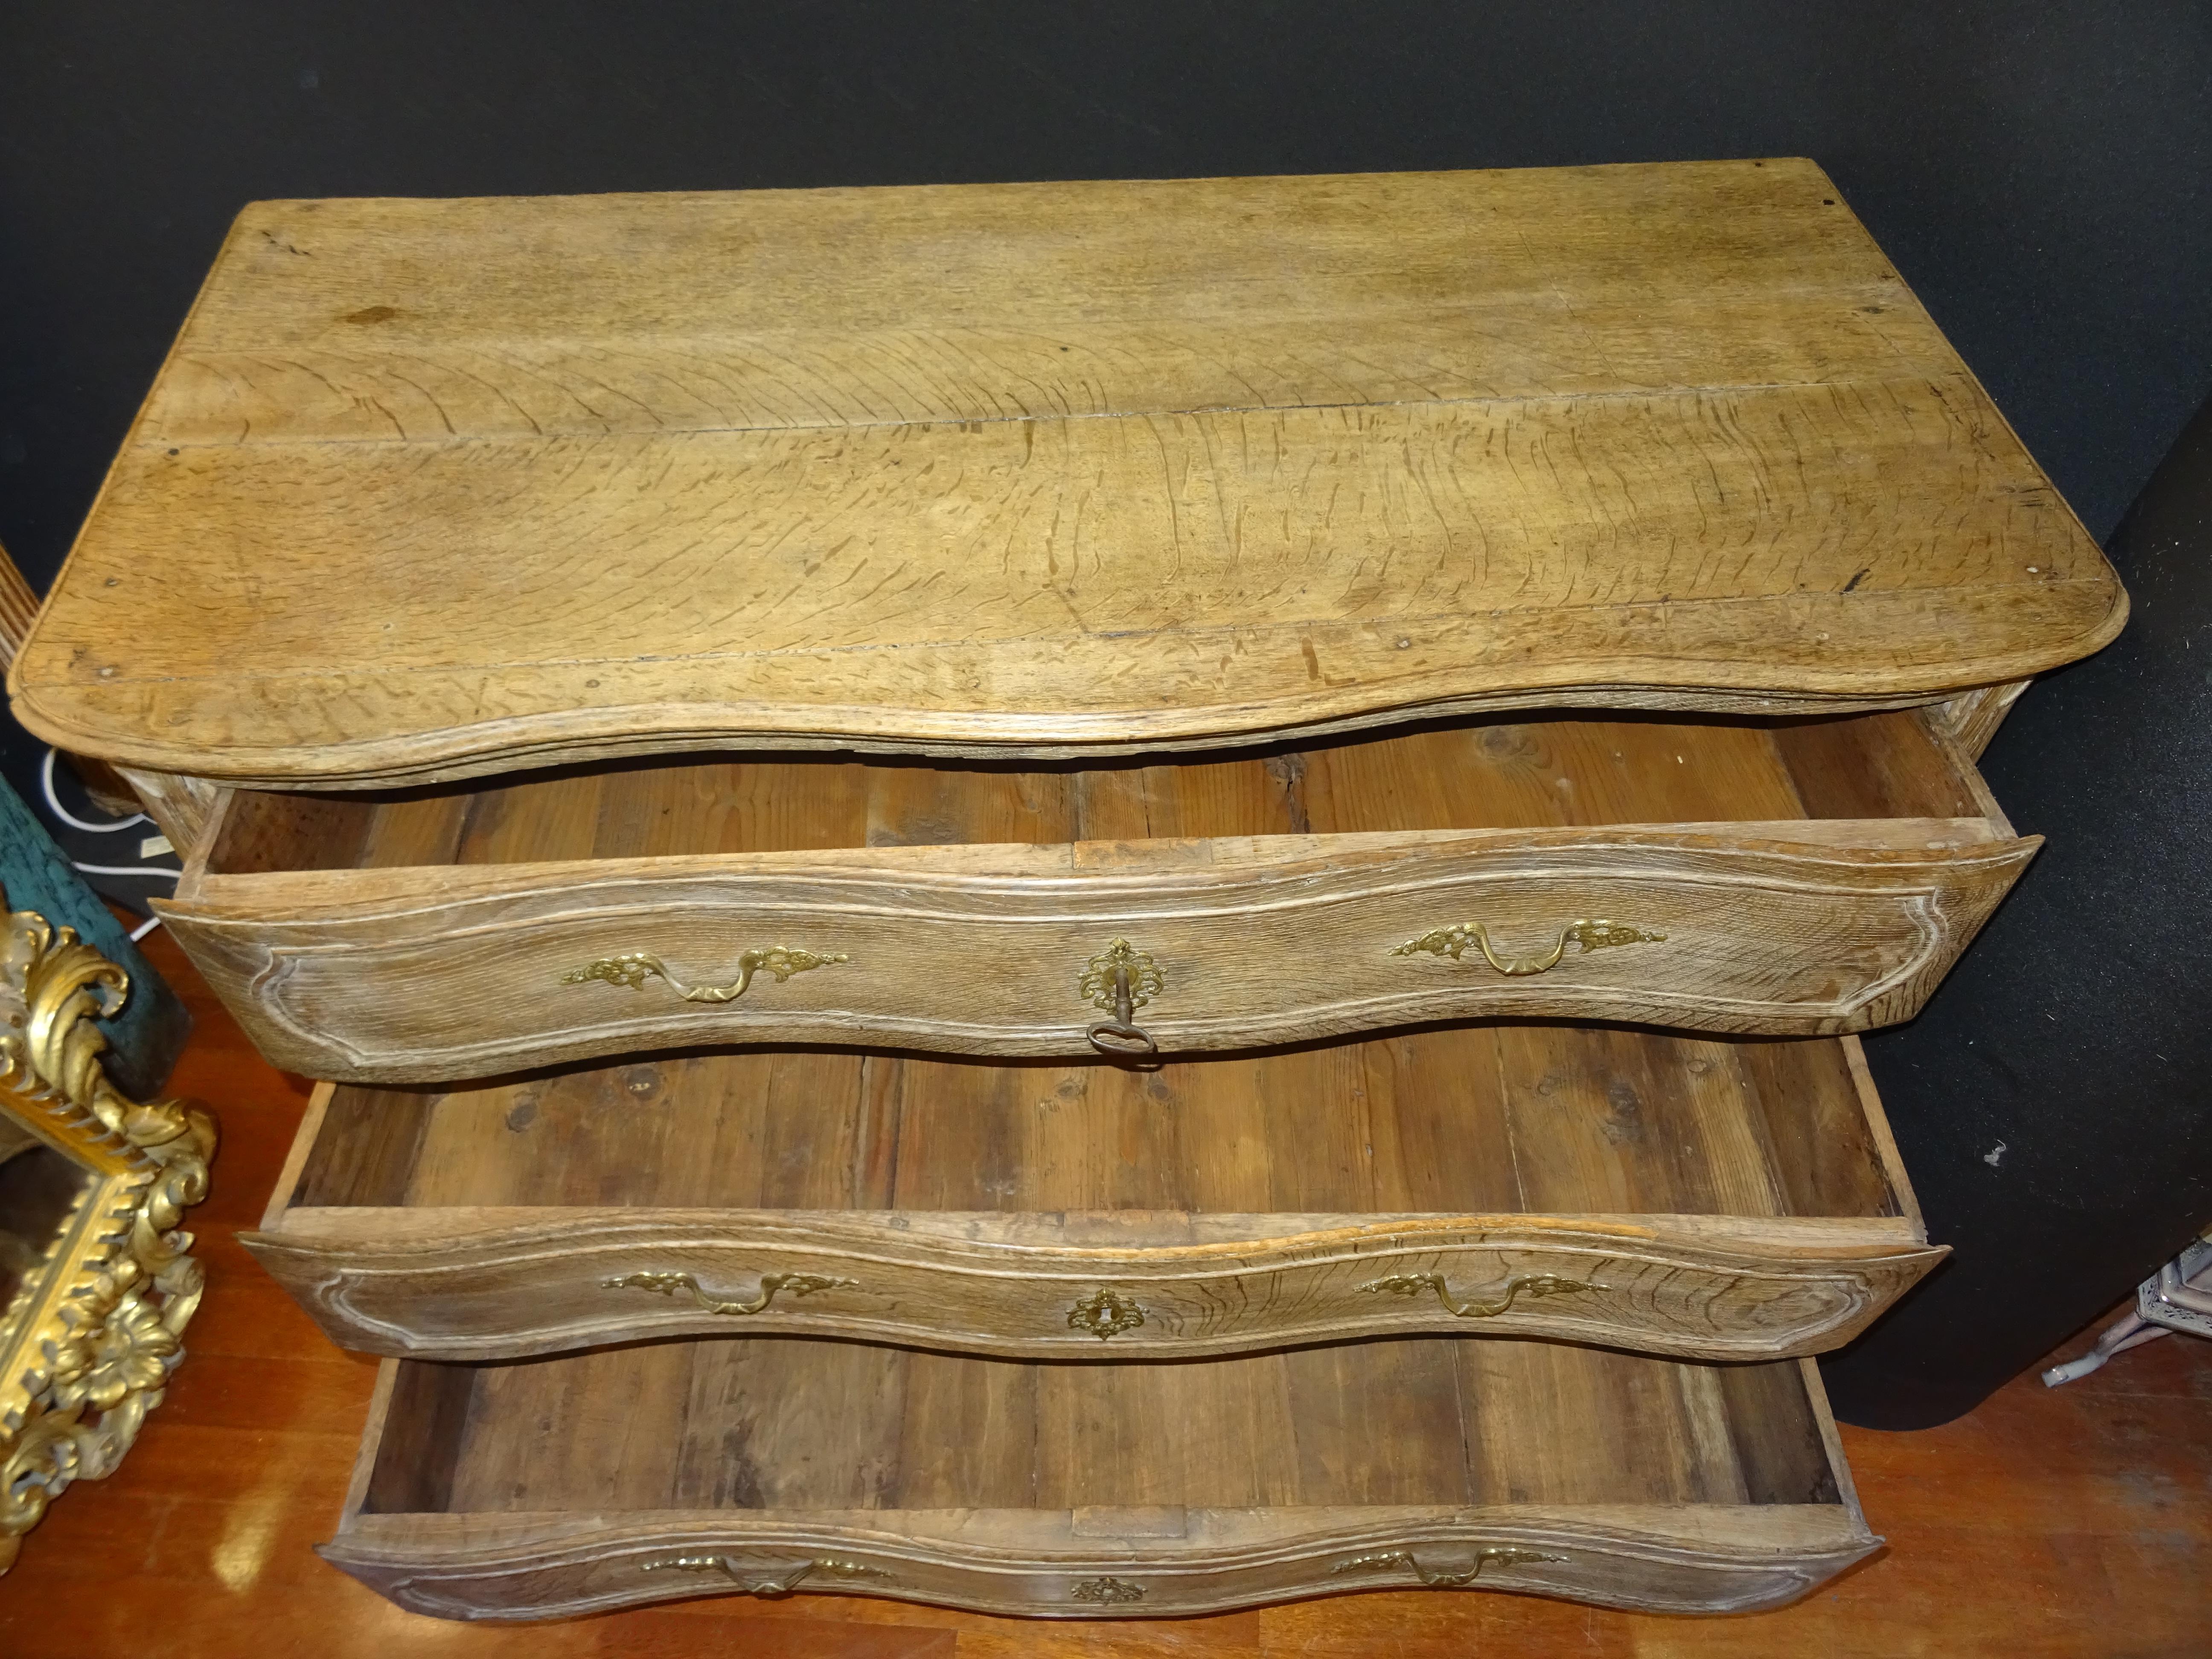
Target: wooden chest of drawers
x=1293 y=775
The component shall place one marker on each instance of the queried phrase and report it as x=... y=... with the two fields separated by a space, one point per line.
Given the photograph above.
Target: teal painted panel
x=144 y=1037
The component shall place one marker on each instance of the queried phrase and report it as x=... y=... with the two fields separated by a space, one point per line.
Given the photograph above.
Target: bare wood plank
x=420 y=1441
x=1619 y=1117
x=1877 y=766
x=1826 y=1156
x=876 y=526
x=366 y=1148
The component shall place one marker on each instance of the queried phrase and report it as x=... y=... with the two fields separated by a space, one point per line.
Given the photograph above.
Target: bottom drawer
x=563 y=1487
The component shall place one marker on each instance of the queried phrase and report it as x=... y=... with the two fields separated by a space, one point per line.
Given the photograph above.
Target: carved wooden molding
x=1972 y=717
x=379 y=976
x=489 y=1284
x=542 y=1569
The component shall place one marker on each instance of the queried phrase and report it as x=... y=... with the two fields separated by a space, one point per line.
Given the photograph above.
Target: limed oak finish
x=559 y=1487
x=1717 y=1201
x=432 y=489
x=2031 y=1527
x=1804 y=877
x=566 y=631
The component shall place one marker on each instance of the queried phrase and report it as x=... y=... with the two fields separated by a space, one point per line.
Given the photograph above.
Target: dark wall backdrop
x=2042 y=175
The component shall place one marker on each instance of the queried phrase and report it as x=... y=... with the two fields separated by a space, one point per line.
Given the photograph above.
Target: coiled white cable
x=46 y=780
x=47 y=783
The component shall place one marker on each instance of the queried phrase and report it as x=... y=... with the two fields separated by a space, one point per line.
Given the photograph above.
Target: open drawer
x=699 y=1468
x=1806 y=877
x=1720 y=1199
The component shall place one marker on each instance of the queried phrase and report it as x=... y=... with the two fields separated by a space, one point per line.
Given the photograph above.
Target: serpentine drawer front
x=1098 y=1491
x=1714 y=1200
x=1801 y=877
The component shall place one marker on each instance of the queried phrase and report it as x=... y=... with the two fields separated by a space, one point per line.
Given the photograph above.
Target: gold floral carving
x=91 y=1338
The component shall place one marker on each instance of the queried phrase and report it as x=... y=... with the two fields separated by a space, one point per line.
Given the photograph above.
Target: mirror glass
x=39 y=1191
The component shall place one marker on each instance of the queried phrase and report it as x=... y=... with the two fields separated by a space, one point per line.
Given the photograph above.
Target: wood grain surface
x=2047 y=1524
x=1076 y=1490
x=430 y=489
x=1807 y=879
x=1714 y=1200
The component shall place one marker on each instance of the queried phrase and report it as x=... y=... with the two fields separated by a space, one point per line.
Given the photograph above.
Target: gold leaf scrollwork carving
x=100 y=1330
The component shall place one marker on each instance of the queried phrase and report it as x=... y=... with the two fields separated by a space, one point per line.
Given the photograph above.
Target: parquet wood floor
x=2048 y=1522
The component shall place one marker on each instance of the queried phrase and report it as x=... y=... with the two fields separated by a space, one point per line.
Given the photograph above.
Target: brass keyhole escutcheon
x=1105 y=1314
x=1119 y=981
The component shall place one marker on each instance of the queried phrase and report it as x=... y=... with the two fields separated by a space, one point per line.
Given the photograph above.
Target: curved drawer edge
x=561 y=964
x=502 y=1291
x=1697 y=1559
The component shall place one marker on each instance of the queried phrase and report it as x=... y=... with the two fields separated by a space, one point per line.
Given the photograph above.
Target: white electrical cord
x=46 y=780
x=47 y=783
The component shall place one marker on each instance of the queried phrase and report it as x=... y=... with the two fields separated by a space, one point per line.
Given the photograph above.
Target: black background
x=2041 y=175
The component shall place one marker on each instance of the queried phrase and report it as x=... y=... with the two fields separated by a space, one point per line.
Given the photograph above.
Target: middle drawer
x=1802 y=878
x=1702 y=1198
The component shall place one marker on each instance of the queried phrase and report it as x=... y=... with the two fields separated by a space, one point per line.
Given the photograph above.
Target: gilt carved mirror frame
x=91 y=1332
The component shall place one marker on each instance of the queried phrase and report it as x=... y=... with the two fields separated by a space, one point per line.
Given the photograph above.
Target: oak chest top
x=434 y=487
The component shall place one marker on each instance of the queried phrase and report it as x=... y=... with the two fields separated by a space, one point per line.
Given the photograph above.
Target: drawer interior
x=1870 y=769
x=805 y=1424
x=1545 y=1119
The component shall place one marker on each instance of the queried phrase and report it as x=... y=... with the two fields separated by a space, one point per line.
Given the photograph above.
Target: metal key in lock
x=1121 y=981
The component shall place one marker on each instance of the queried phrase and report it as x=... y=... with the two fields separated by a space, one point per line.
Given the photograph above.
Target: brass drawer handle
x=1443 y=1578
x=1107 y=1592
x=668 y=1285
x=1533 y=1285
x=639 y=966
x=765 y=1581
x=1121 y=981
x=1585 y=934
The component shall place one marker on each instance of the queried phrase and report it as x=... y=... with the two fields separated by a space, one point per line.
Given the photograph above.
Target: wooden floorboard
x=2049 y=1522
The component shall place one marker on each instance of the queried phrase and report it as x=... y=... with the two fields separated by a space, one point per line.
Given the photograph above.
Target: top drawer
x=1794 y=877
